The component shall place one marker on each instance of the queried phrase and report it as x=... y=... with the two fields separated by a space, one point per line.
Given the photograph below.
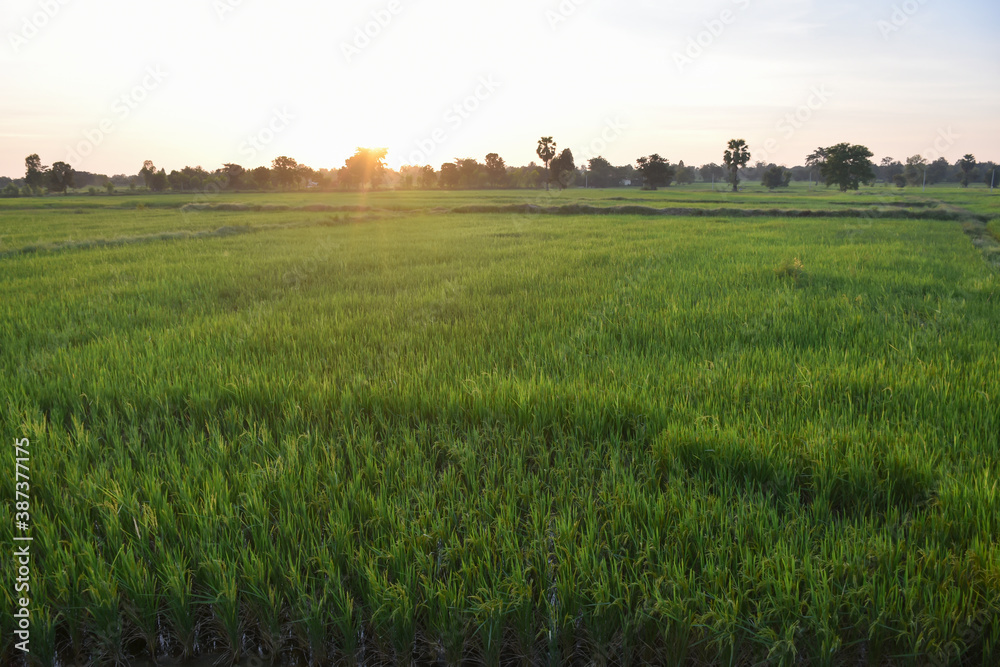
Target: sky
x=106 y=85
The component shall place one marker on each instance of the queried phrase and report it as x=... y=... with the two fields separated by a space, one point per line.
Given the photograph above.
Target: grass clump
x=792 y=269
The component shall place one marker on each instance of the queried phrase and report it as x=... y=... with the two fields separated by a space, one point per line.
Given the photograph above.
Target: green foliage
x=776 y=177
x=60 y=177
x=655 y=171
x=848 y=166
x=966 y=166
x=737 y=155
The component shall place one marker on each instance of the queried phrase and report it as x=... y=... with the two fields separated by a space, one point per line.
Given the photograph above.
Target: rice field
x=385 y=429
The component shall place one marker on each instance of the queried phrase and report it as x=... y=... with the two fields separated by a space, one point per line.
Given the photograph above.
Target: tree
x=283 y=169
x=110 y=187
x=937 y=171
x=602 y=173
x=889 y=169
x=34 y=172
x=563 y=169
x=159 y=181
x=366 y=168
x=60 y=177
x=178 y=181
x=816 y=160
x=428 y=179
x=232 y=176
x=546 y=150
x=776 y=177
x=148 y=173
x=990 y=177
x=449 y=175
x=913 y=172
x=711 y=172
x=155 y=181
x=966 y=166
x=685 y=175
x=470 y=172
x=496 y=170
x=655 y=172
x=847 y=166
x=261 y=177
x=737 y=155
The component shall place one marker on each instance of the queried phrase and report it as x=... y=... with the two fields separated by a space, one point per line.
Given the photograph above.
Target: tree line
x=847 y=166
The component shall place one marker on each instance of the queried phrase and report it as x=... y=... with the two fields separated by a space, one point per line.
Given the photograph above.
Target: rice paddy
x=431 y=428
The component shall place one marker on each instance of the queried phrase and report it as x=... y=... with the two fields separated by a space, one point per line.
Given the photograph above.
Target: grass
x=418 y=436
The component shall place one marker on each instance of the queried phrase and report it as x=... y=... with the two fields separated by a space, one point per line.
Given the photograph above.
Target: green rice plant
x=105 y=618
x=450 y=435
x=140 y=598
x=181 y=612
x=223 y=599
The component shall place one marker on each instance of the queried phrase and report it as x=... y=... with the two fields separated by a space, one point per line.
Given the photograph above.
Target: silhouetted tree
x=428 y=178
x=496 y=169
x=563 y=169
x=655 y=171
x=602 y=173
x=261 y=177
x=470 y=173
x=449 y=175
x=712 y=172
x=366 y=168
x=232 y=176
x=737 y=155
x=546 y=150
x=283 y=169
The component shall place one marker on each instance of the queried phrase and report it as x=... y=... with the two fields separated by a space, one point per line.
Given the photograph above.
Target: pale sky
x=105 y=85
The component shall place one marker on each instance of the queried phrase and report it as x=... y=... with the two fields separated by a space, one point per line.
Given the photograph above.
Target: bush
x=10 y=191
x=776 y=177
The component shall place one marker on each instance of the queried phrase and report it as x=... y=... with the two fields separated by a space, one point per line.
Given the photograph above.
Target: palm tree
x=736 y=156
x=546 y=151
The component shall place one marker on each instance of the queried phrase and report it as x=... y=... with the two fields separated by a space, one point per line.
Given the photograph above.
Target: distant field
x=408 y=433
